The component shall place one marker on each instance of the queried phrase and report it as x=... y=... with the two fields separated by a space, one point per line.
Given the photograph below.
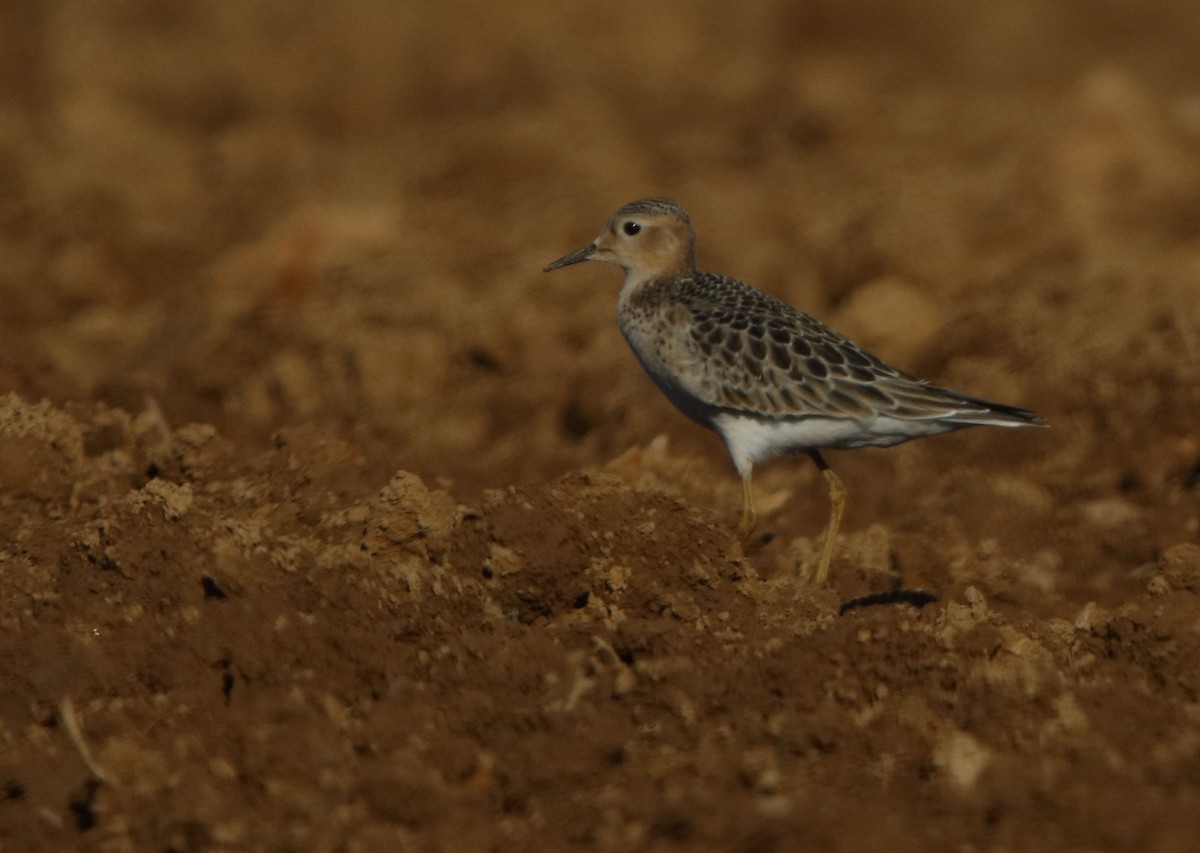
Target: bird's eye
x=631 y=227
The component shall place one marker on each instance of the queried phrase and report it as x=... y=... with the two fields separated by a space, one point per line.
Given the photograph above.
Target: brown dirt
x=327 y=522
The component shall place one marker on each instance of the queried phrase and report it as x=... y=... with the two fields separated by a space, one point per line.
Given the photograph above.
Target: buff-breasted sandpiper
x=767 y=377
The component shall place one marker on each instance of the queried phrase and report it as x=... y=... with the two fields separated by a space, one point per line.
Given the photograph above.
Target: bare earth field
x=328 y=522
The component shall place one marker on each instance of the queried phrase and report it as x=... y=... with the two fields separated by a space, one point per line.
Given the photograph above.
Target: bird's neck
x=640 y=283
x=635 y=280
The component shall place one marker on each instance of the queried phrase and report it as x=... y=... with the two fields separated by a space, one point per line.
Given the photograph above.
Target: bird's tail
x=979 y=412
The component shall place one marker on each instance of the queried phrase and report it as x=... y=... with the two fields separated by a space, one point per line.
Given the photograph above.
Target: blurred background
x=320 y=228
x=270 y=213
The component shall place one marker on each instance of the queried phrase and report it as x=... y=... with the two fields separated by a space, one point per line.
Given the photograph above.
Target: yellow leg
x=837 y=504
x=745 y=528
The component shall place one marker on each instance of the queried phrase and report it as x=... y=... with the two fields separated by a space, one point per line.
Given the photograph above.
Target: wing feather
x=749 y=352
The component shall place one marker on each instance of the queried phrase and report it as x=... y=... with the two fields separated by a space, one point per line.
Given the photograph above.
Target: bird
x=768 y=378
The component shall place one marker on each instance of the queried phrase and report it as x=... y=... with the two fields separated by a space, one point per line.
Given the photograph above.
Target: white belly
x=752 y=440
